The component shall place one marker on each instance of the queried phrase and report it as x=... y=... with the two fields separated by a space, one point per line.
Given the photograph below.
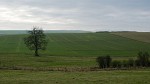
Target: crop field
x=87 y=44
x=140 y=36
x=70 y=51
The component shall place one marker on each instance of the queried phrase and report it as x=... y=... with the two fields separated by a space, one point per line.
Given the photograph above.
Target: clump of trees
x=36 y=40
x=141 y=61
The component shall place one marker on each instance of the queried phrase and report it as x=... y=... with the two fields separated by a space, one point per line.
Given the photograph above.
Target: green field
x=85 y=44
x=71 y=52
x=68 y=50
x=140 y=36
x=55 y=77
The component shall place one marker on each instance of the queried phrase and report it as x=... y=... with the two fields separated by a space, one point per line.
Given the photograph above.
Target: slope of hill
x=140 y=36
x=78 y=44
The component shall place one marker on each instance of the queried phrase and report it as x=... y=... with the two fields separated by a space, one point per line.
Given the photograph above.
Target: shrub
x=124 y=63
x=131 y=63
x=142 y=59
x=116 y=64
x=104 y=61
x=137 y=63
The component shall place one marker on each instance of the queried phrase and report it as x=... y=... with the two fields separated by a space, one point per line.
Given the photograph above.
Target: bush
x=116 y=64
x=104 y=61
x=124 y=63
x=131 y=63
x=143 y=59
x=137 y=63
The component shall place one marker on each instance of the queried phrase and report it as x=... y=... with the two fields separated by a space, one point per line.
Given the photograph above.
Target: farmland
x=87 y=44
x=140 y=36
x=70 y=51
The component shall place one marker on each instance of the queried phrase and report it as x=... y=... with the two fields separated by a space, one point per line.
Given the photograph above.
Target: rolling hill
x=140 y=36
x=78 y=44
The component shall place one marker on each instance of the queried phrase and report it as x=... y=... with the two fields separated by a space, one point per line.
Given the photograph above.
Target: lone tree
x=36 y=40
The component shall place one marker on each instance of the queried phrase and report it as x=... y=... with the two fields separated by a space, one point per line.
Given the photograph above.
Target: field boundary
x=70 y=69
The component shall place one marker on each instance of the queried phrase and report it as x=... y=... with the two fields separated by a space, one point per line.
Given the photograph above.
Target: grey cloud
x=79 y=14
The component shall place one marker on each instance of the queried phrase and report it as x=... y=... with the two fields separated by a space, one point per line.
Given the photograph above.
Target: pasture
x=81 y=44
x=56 y=77
x=70 y=51
x=140 y=36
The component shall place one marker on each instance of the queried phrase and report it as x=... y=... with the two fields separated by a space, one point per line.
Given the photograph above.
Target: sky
x=89 y=15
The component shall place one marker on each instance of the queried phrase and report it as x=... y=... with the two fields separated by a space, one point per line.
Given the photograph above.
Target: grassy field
x=73 y=52
x=56 y=77
x=13 y=60
x=140 y=36
x=68 y=50
x=87 y=44
x=47 y=62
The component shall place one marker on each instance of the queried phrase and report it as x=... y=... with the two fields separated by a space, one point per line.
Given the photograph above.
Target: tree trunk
x=36 y=52
x=36 y=44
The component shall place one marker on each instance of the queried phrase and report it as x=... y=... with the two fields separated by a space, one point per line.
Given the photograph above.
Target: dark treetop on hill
x=36 y=40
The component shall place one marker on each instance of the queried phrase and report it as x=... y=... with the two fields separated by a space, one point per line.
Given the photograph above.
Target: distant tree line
x=142 y=60
x=113 y=31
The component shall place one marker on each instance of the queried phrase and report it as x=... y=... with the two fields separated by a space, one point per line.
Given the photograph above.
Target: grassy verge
x=57 y=77
x=27 y=61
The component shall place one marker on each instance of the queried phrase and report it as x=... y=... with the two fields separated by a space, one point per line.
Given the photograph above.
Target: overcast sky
x=94 y=15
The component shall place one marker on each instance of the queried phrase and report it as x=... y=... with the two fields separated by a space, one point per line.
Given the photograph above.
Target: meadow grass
x=83 y=44
x=68 y=50
x=18 y=65
x=14 y=61
x=57 y=77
